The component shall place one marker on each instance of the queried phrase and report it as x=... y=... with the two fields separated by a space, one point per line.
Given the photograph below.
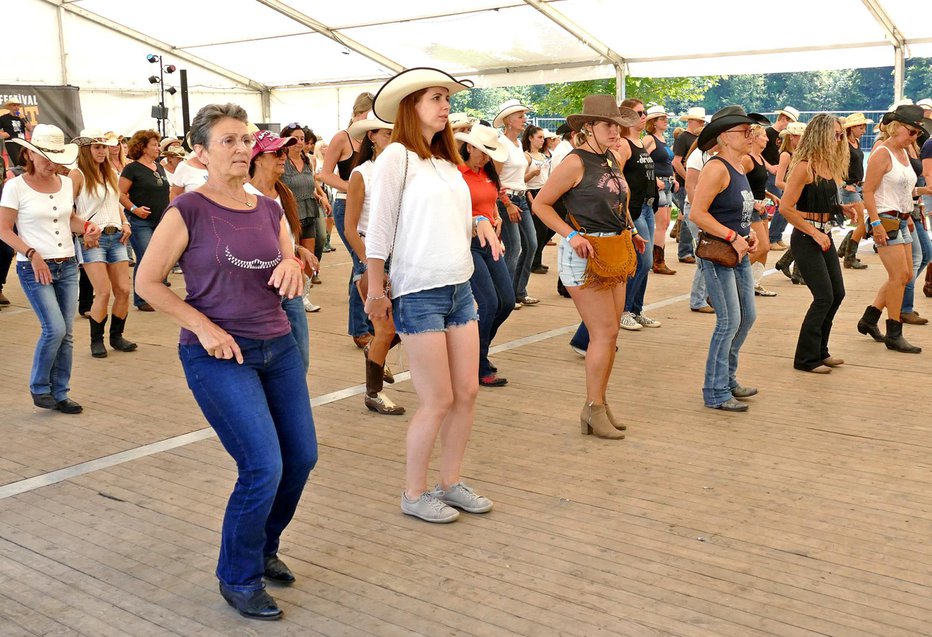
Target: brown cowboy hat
x=602 y=108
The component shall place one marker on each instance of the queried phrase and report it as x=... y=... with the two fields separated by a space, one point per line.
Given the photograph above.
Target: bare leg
x=898 y=261
x=119 y=283
x=97 y=273
x=463 y=354
x=599 y=312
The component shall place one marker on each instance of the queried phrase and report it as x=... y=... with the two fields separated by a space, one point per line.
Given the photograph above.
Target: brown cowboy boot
x=660 y=267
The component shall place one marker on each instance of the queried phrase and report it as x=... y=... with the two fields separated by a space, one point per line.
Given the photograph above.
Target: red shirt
x=482 y=191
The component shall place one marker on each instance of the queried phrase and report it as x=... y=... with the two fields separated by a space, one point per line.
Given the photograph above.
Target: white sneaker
x=310 y=307
x=646 y=321
x=629 y=323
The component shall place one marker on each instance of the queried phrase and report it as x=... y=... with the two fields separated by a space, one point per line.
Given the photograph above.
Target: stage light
x=153 y=58
x=153 y=79
x=171 y=68
x=171 y=90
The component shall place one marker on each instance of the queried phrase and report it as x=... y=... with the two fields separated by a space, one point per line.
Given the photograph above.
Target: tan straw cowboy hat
x=857 y=119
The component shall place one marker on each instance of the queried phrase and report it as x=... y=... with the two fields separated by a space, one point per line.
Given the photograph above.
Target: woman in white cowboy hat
x=722 y=207
x=105 y=261
x=654 y=143
x=40 y=203
x=593 y=189
x=373 y=136
x=855 y=126
x=490 y=282
x=518 y=233
x=335 y=172
x=421 y=218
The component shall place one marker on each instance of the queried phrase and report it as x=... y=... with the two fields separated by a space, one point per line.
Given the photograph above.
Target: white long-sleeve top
x=434 y=219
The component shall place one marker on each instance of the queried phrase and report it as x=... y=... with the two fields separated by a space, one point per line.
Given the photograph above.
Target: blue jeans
x=922 y=254
x=698 y=292
x=732 y=294
x=142 y=235
x=637 y=285
x=261 y=412
x=491 y=287
x=357 y=322
x=520 y=241
x=297 y=317
x=778 y=223
x=55 y=305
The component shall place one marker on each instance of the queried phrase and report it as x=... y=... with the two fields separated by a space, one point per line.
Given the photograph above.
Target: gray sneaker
x=428 y=508
x=462 y=497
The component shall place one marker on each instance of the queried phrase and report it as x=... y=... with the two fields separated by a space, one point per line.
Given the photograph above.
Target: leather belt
x=60 y=260
x=111 y=230
x=515 y=193
x=896 y=215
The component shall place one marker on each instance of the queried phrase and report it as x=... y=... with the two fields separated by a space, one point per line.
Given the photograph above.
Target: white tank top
x=895 y=191
x=102 y=206
x=537 y=182
x=514 y=167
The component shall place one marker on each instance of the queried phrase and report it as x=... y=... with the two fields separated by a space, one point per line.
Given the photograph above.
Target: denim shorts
x=109 y=250
x=846 y=196
x=434 y=310
x=665 y=196
x=755 y=215
x=903 y=236
x=571 y=268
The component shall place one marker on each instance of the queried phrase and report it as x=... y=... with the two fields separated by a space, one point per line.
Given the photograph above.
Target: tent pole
x=620 y=83
x=63 y=57
x=266 y=104
x=899 y=72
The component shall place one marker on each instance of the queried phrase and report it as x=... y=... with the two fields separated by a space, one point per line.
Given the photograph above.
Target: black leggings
x=822 y=273
x=6 y=258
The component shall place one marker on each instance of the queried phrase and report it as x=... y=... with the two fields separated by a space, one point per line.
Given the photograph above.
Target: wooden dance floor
x=809 y=515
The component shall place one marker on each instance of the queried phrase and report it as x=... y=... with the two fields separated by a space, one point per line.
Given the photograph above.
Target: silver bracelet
x=374 y=298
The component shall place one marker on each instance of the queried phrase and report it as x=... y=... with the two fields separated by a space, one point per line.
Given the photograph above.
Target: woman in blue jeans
x=239 y=357
x=490 y=281
x=40 y=204
x=722 y=208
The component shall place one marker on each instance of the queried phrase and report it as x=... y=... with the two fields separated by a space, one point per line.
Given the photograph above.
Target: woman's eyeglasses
x=746 y=132
x=231 y=142
x=278 y=153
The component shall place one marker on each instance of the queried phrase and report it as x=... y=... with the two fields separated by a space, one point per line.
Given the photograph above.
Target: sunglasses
x=641 y=113
x=278 y=153
x=293 y=125
x=913 y=132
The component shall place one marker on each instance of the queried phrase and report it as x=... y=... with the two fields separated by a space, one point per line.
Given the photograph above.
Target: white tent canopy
x=307 y=59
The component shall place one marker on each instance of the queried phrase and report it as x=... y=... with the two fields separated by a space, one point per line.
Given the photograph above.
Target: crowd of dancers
x=445 y=217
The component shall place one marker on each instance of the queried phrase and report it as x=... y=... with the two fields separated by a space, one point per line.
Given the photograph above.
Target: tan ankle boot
x=616 y=424
x=594 y=420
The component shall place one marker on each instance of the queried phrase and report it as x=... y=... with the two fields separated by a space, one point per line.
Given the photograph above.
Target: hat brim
x=87 y=141
x=863 y=122
x=576 y=121
x=278 y=144
x=64 y=157
x=656 y=115
x=686 y=118
x=358 y=130
x=718 y=126
x=923 y=123
x=498 y=152
x=499 y=120
x=387 y=101
x=761 y=120
x=793 y=117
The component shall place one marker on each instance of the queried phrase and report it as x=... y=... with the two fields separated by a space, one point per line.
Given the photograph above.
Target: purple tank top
x=227 y=265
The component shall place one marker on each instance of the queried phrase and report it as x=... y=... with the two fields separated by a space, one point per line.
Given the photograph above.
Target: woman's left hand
x=485 y=232
x=287 y=277
x=309 y=263
x=660 y=184
x=640 y=244
x=127 y=231
x=498 y=226
x=752 y=241
x=850 y=211
x=676 y=186
x=328 y=209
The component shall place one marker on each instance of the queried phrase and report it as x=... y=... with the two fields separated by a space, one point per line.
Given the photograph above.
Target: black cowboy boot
x=97 y=338
x=868 y=324
x=116 y=335
x=895 y=341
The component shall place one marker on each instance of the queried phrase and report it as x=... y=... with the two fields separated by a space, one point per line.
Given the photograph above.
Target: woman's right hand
x=822 y=239
x=879 y=235
x=741 y=246
x=582 y=247
x=514 y=213
x=379 y=308
x=218 y=342
x=142 y=212
x=40 y=269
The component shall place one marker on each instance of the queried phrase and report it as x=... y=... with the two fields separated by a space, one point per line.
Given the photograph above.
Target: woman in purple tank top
x=238 y=355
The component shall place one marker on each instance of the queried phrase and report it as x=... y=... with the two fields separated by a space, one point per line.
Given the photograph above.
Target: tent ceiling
x=284 y=43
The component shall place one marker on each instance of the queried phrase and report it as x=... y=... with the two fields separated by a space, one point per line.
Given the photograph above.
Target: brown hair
x=96 y=176
x=139 y=141
x=407 y=132
x=25 y=159
x=289 y=203
x=631 y=102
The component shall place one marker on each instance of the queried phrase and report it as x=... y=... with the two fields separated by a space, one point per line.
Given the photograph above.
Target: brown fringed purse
x=615 y=259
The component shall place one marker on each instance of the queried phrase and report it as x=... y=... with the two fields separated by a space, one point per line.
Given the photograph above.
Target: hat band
x=49 y=150
x=487 y=147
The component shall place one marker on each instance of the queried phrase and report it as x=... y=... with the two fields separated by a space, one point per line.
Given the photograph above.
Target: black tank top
x=733 y=206
x=639 y=172
x=757 y=178
x=819 y=197
x=663 y=158
x=597 y=201
x=345 y=167
x=855 y=165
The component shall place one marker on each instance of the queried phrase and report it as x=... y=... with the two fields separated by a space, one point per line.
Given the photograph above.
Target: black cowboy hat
x=563 y=129
x=908 y=114
x=760 y=119
x=723 y=120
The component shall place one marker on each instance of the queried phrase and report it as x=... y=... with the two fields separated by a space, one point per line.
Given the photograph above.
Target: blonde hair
x=96 y=176
x=362 y=104
x=786 y=144
x=757 y=129
x=822 y=149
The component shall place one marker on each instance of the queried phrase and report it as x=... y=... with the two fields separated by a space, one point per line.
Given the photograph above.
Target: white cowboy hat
x=49 y=141
x=486 y=140
x=388 y=99
x=856 y=119
x=508 y=108
x=793 y=128
x=926 y=104
x=168 y=142
x=461 y=120
x=790 y=112
x=658 y=111
x=359 y=128
x=549 y=134
x=694 y=112
x=94 y=136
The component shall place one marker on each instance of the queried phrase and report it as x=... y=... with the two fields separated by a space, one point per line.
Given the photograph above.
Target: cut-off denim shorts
x=434 y=310
x=848 y=196
x=903 y=236
x=109 y=250
x=571 y=267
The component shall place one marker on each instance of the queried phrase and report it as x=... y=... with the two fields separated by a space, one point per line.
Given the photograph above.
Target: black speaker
x=159 y=112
